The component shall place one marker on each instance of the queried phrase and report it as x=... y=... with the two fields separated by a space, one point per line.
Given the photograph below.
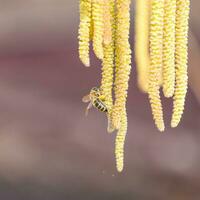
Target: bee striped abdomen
x=100 y=105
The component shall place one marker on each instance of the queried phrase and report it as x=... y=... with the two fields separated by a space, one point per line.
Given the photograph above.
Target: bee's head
x=95 y=91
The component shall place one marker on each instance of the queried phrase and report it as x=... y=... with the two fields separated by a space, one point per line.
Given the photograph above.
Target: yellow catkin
x=169 y=48
x=108 y=60
x=182 y=16
x=119 y=143
x=84 y=31
x=98 y=22
x=123 y=59
x=156 y=37
x=142 y=42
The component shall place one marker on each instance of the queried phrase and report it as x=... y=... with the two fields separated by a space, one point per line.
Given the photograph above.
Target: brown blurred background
x=50 y=151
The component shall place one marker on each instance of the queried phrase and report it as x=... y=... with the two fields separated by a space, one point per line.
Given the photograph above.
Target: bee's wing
x=86 y=99
x=87 y=109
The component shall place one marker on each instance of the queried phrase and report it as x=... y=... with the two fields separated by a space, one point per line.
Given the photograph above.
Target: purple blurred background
x=49 y=150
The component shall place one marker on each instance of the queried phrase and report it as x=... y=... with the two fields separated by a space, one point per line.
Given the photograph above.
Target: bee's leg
x=102 y=97
x=87 y=109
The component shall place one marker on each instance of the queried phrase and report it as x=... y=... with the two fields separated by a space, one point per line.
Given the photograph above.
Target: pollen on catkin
x=84 y=31
x=169 y=48
x=182 y=16
x=142 y=42
x=156 y=38
x=108 y=59
x=98 y=26
x=122 y=60
x=120 y=141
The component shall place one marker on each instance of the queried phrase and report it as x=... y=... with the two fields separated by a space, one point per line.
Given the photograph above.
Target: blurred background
x=50 y=151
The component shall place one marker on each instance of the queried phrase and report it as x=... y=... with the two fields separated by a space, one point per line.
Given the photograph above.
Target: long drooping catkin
x=182 y=16
x=156 y=38
x=98 y=25
x=84 y=31
x=169 y=48
x=108 y=60
x=123 y=59
x=142 y=42
x=120 y=141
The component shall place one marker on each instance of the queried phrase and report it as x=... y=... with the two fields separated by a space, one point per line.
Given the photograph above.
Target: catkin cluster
x=161 y=54
x=106 y=24
x=160 y=51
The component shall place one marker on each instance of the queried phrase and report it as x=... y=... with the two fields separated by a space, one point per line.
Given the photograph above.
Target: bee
x=95 y=99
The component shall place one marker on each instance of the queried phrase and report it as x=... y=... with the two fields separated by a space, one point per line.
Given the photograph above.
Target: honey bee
x=95 y=99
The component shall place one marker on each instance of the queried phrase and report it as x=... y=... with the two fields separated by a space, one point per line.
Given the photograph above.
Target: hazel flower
x=142 y=42
x=155 y=69
x=182 y=16
x=98 y=25
x=84 y=31
x=119 y=142
x=123 y=60
x=169 y=48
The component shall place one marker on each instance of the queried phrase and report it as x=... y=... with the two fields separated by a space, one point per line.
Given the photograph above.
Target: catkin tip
x=174 y=124
x=161 y=128
x=120 y=168
x=120 y=142
x=169 y=94
x=86 y=62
